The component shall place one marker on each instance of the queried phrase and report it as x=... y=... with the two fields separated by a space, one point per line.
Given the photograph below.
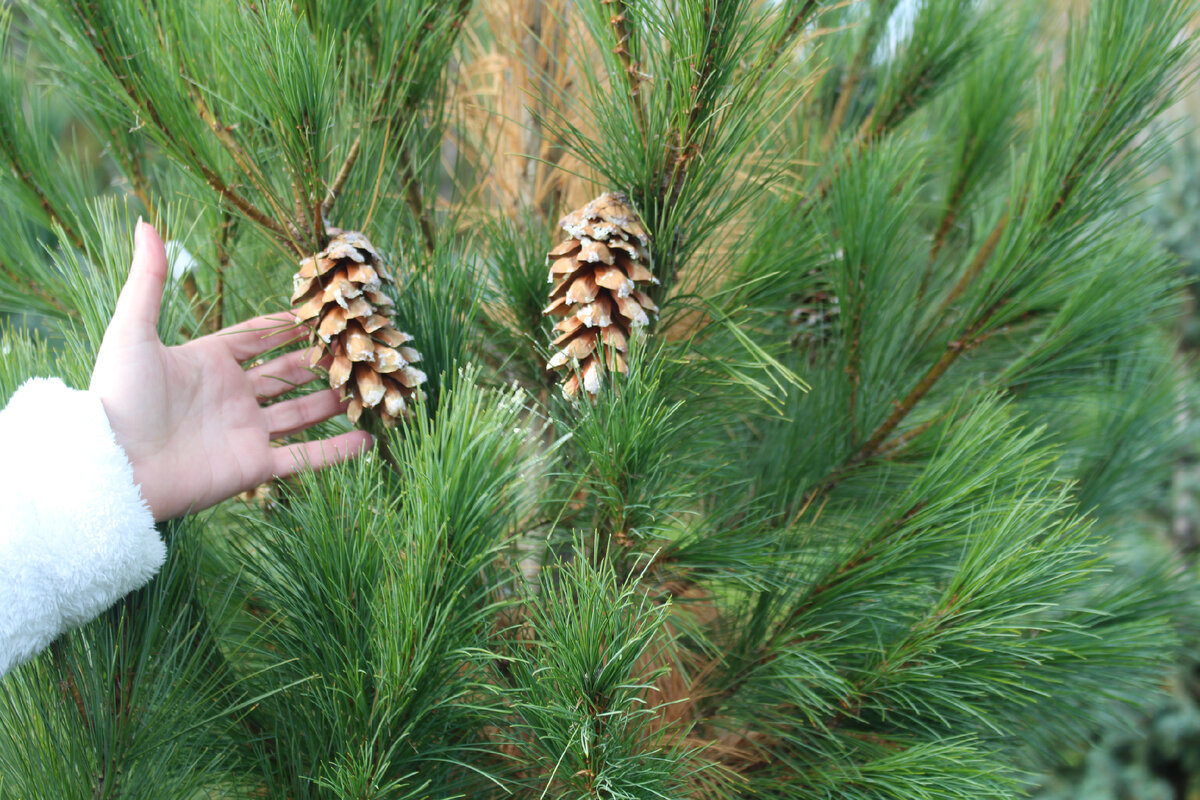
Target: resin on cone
x=599 y=274
x=340 y=290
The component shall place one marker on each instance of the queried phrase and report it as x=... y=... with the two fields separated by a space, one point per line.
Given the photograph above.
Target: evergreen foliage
x=1158 y=758
x=851 y=525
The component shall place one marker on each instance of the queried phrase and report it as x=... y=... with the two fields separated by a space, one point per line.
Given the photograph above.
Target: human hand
x=188 y=417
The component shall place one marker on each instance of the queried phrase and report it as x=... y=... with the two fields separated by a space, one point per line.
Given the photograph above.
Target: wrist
x=141 y=463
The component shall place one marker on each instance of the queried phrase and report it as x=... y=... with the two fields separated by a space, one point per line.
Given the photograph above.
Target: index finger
x=256 y=336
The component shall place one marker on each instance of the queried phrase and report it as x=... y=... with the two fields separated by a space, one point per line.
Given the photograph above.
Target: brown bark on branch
x=145 y=106
x=412 y=189
x=35 y=289
x=343 y=174
x=415 y=200
x=248 y=167
x=949 y=217
x=775 y=49
x=977 y=264
x=848 y=88
x=683 y=138
x=22 y=175
x=629 y=64
x=69 y=687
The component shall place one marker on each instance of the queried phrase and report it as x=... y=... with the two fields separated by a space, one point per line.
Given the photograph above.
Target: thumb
x=138 y=306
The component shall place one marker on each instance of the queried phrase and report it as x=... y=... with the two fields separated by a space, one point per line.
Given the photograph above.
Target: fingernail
x=139 y=233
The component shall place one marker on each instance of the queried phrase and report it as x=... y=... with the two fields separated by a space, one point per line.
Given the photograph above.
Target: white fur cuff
x=75 y=534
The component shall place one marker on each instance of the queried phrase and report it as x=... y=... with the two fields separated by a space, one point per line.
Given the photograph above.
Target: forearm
x=75 y=534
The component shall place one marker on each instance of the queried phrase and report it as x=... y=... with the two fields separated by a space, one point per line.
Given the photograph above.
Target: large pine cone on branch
x=596 y=274
x=341 y=288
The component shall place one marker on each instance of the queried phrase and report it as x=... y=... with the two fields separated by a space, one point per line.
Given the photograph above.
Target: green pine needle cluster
x=854 y=524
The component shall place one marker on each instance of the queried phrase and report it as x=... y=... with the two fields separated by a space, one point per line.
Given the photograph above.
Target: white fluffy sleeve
x=75 y=534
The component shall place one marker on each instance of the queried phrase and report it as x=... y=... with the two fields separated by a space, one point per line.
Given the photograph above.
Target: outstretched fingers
x=252 y=338
x=315 y=455
x=282 y=374
x=301 y=413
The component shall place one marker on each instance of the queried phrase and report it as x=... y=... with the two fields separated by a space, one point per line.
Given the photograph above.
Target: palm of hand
x=189 y=417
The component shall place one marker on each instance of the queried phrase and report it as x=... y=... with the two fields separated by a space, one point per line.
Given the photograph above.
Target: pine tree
x=848 y=525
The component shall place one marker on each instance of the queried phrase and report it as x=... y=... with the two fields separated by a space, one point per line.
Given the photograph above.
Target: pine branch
x=26 y=179
x=412 y=190
x=902 y=441
x=83 y=12
x=853 y=354
x=629 y=63
x=299 y=210
x=866 y=552
x=876 y=125
x=132 y=167
x=860 y=690
x=774 y=51
x=977 y=264
x=416 y=203
x=902 y=409
x=852 y=77
x=681 y=139
x=342 y=176
x=251 y=171
x=841 y=648
x=35 y=289
x=969 y=338
x=68 y=685
x=217 y=307
x=949 y=216
x=866 y=137
x=412 y=187
x=249 y=209
x=933 y=67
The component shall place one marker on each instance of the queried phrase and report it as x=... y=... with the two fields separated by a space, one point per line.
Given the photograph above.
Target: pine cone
x=342 y=289
x=814 y=319
x=596 y=275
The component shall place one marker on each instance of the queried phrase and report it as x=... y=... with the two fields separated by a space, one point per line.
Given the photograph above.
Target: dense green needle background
x=868 y=516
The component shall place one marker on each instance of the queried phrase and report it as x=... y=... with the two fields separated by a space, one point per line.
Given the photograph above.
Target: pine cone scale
x=614 y=279
x=597 y=314
x=558 y=308
x=583 y=289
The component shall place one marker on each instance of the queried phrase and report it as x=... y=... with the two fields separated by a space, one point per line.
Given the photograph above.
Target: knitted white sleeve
x=75 y=534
